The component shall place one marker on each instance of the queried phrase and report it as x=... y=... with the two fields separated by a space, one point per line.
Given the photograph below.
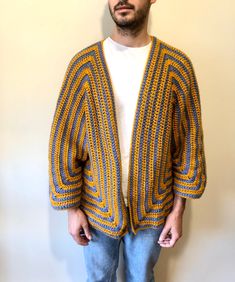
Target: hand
x=77 y=221
x=172 y=230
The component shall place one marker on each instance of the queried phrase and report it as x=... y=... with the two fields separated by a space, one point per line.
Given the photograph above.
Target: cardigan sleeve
x=188 y=153
x=66 y=143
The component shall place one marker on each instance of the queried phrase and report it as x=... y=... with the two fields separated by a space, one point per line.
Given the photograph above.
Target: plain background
x=38 y=38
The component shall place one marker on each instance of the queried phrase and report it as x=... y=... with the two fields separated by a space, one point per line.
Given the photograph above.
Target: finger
x=87 y=231
x=164 y=233
x=174 y=238
x=80 y=237
x=80 y=240
x=165 y=243
x=165 y=240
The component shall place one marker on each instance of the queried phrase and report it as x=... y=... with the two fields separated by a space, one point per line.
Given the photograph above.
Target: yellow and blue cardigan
x=166 y=153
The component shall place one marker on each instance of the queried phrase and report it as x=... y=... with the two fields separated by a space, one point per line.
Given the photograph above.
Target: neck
x=129 y=39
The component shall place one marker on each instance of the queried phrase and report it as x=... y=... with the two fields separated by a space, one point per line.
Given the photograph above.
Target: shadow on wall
x=107 y=23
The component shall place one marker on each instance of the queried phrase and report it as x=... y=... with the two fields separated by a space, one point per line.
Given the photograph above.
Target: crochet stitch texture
x=167 y=154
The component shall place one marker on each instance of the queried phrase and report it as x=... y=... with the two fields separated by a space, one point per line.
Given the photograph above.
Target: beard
x=132 y=22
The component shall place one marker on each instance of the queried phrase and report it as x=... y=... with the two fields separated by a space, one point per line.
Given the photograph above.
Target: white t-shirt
x=126 y=66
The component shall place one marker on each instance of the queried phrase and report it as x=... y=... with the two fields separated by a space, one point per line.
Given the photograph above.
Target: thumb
x=87 y=231
x=164 y=233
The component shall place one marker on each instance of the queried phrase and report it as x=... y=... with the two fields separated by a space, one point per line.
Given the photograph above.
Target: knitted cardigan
x=166 y=152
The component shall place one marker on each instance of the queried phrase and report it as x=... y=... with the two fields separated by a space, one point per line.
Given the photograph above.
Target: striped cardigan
x=166 y=151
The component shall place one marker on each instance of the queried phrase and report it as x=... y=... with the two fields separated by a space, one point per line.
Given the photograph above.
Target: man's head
x=133 y=17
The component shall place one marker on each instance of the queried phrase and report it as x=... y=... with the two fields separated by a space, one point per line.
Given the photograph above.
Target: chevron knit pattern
x=166 y=153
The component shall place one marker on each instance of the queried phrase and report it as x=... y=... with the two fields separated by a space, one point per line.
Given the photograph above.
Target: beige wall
x=38 y=39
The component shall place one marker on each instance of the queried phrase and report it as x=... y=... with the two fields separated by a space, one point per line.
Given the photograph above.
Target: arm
x=66 y=143
x=179 y=205
x=188 y=155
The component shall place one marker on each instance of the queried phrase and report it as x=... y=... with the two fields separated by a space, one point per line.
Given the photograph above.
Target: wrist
x=179 y=205
x=73 y=209
x=178 y=211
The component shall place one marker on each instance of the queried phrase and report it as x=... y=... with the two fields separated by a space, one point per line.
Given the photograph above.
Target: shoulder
x=177 y=56
x=83 y=55
x=80 y=60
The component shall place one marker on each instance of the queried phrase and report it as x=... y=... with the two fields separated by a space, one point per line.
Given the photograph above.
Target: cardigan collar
x=144 y=89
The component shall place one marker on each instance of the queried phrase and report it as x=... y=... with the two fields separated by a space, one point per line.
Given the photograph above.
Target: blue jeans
x=140 y=254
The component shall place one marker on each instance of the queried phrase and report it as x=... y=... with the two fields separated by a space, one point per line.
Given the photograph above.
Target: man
x=126 y=146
